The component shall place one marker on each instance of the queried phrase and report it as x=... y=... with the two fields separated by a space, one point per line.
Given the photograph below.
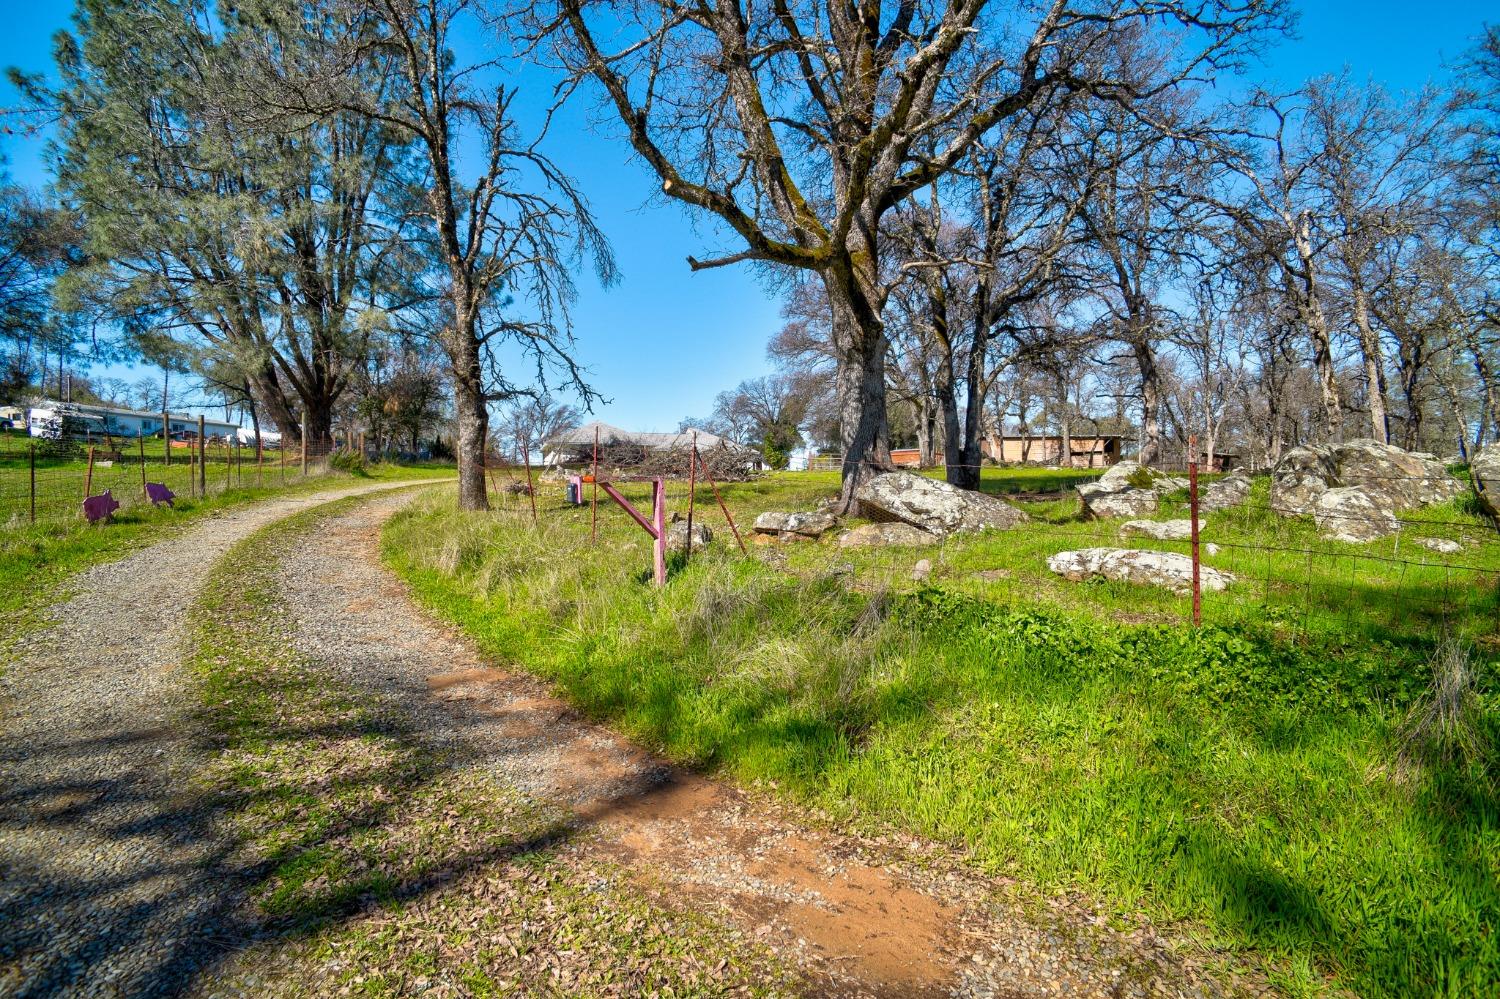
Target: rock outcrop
x=1128 y=489
x=1390 y=478
x=1484 y=470
x=1168 y=569
x=1349 y=513
x=1161 y=530
x=1230 y=491
x=886 y=535
x=933 y=505
x=805 y=525
x=1443 y=546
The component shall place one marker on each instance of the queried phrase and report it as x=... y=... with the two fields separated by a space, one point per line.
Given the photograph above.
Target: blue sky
x=664 y=341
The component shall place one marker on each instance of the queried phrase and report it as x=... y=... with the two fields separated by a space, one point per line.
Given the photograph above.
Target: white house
x=46 y=420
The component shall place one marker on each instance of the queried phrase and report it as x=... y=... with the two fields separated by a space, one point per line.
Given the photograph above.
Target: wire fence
x=1425 y=569
x=48 y=480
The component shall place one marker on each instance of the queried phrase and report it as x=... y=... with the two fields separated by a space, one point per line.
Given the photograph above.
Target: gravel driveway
x=110 y=881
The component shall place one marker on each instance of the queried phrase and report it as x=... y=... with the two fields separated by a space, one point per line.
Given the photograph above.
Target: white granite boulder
x=1161 y=530
x=886 y=535
x=1348 y=513
x=1390 y=478
x=1230 y=491
x=933 y=505
x=1128 y=489
x=808 y=525
x=1167 y=569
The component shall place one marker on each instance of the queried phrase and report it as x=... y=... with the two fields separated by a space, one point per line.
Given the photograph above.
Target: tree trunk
x=860 y=387
x=1145 y=358
x=1374 y=359
x=471 y=412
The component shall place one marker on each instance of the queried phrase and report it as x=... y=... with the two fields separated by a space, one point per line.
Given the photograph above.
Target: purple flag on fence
x=97 y=508
x=158 y=493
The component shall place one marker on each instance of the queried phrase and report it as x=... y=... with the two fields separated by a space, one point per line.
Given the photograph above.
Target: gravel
x=113 y=882
x=111 y=879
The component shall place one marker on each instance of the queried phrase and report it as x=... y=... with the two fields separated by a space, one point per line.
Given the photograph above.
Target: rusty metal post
x=88 y=474
x=1193 y=515
x=687 y=552
x=166 y=439
x=304 y=447
x=727 y=516
x=530 y=489
x=32 y=462
x=594 y=502
x=659 y=521
x=141 y=440
x=202 y=459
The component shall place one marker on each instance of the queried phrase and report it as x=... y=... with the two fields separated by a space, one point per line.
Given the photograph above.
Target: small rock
x=677 y=536
x=1445 y=546
x=922 y=570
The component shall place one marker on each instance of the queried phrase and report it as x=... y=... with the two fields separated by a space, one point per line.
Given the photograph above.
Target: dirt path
x=114 y=882
x=862 y=918
x=110 y=884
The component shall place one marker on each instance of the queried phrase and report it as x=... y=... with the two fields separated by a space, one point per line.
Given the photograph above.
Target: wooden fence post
x=304 y=447
x=202 y=459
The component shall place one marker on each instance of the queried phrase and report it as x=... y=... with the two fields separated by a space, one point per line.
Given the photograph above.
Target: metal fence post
x=659 y=521
x=530 y=489
x=594 y=500
x=202 y=459
x=304 y=448
x=141 y=440
x=687 y=552
x=1193 y=514
x=88 y=474
x=33 y=483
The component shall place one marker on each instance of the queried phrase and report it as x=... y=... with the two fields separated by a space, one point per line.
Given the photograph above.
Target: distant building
x=12 y=418
x=51 y=419
x=576 y=447
x=1083 y=452
x=911 y=457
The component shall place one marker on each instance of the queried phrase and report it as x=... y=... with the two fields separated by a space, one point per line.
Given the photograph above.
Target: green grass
x=386 y=863
x=1243 y=784
x=36 y=560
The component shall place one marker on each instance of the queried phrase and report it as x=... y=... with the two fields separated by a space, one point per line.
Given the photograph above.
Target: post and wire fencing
x=1193 y=545
x=49 y=480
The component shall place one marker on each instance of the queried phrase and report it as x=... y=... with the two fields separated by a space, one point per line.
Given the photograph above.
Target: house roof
x=584 y=437
x=96 y=408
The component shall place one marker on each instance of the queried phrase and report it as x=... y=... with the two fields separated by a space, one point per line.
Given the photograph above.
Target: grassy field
x=37 y=559
x=61 y=479
x=1280 y=783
